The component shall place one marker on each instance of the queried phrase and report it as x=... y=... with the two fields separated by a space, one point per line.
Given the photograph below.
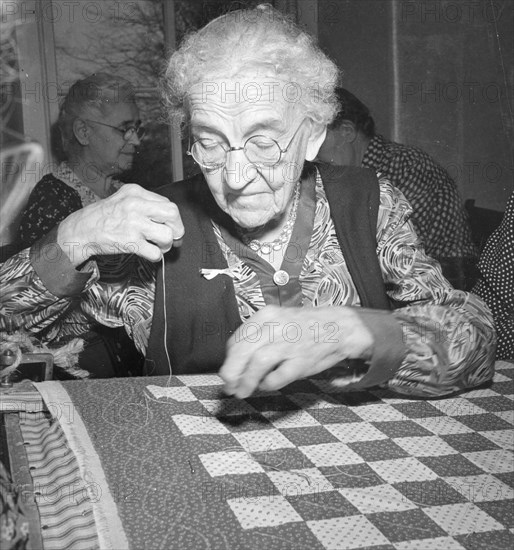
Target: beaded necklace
x=267 y=248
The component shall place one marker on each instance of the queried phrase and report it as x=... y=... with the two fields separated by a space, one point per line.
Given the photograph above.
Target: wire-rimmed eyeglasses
x=127 y=133
x=260 y=150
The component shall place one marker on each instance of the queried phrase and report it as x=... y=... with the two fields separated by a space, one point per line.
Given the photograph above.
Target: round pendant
x=281 y=277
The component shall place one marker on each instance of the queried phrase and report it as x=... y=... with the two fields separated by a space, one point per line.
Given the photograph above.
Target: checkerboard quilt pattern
x=357 y=470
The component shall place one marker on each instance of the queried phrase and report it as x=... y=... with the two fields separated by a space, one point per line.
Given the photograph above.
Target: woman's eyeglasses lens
x=259 y=150
x=129 y=132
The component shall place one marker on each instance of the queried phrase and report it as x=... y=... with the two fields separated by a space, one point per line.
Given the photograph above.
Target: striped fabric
x=62 y=497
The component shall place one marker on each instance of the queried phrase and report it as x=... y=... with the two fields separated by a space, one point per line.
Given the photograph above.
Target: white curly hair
x=257 y=41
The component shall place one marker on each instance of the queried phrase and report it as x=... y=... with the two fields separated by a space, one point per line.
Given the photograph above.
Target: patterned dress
x=448 y=334
x=496 y=286
x=53 y=199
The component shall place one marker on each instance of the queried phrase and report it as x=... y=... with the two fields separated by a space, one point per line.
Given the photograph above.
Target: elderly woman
x=263 y=267
x=100 y=131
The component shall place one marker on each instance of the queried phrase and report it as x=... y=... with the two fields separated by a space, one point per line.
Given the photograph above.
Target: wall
x=438 y=74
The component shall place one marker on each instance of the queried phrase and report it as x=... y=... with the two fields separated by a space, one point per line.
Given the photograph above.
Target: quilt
x=175 y=463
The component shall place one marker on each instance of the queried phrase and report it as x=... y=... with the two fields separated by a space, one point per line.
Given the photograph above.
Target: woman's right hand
x=133 y=220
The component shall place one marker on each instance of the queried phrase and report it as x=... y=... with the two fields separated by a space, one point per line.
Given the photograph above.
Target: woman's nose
x=238 y=170
x=134 y=139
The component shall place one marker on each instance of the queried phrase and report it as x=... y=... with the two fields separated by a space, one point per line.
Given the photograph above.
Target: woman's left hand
x=279 y=345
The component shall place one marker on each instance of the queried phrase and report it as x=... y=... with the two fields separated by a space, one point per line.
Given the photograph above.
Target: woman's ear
x=81 y=131
x=316 y=139
x=348 y=131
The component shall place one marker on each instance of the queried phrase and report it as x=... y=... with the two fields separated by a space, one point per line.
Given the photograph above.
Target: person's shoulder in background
x=496 y=283
x=50 y=202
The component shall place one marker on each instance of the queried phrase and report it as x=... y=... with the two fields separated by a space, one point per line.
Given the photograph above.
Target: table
x=173 y=463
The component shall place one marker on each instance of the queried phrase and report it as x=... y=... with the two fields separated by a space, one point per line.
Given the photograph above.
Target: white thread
x=165 y=317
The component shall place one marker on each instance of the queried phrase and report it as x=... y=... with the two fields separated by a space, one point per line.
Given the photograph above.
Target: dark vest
x=201 y=315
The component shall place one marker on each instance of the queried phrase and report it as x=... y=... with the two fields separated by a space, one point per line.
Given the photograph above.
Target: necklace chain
x=266 y=247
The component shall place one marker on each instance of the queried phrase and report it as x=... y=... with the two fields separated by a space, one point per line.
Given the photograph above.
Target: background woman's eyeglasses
x=127 y=133
x=259 y=150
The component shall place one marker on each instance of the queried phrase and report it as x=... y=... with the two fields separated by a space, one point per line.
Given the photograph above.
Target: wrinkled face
x=229 y=112
x=106 y=149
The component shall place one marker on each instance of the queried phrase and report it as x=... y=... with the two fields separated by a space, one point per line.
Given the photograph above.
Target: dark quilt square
x=450 y=465
x=507 y=478
x=402 y=428
x=272 y=403
x=332 y=415
x=322 y=505
x=434 y=492
x=488 y=540
x=483 y=422
x=237 y=487
x=209 y=392
x=417 y=409
x=311 y=435
x=505 y=388
x=351 y=475
x=244 y=422
x=379 y=449
x=406 y=525
x=495 y=403
x=467 y=443
x=283 y=459
x=357 y=398
x=302 y=386
x=501 y=510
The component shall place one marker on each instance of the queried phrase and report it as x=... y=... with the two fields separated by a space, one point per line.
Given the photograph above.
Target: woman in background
x=100 y=131
x=438 y=214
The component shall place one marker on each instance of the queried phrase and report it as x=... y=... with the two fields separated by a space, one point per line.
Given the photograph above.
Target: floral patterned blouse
x=448 y=334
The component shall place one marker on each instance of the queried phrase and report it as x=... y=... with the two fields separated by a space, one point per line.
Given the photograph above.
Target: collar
x=65 y=173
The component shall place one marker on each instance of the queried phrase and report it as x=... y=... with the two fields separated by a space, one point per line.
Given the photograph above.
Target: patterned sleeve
x=25 y=301
x=50 y=202
x=449 y=334
x=31 y=302
x=40 y=291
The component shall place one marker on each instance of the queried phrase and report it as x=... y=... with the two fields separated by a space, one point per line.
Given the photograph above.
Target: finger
x=240 y=347
x=263 y=361
x=231 y=371
x=169 y=215
x=148 y=251
x=287 y=372
x=135 y=190
x=177 y=243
